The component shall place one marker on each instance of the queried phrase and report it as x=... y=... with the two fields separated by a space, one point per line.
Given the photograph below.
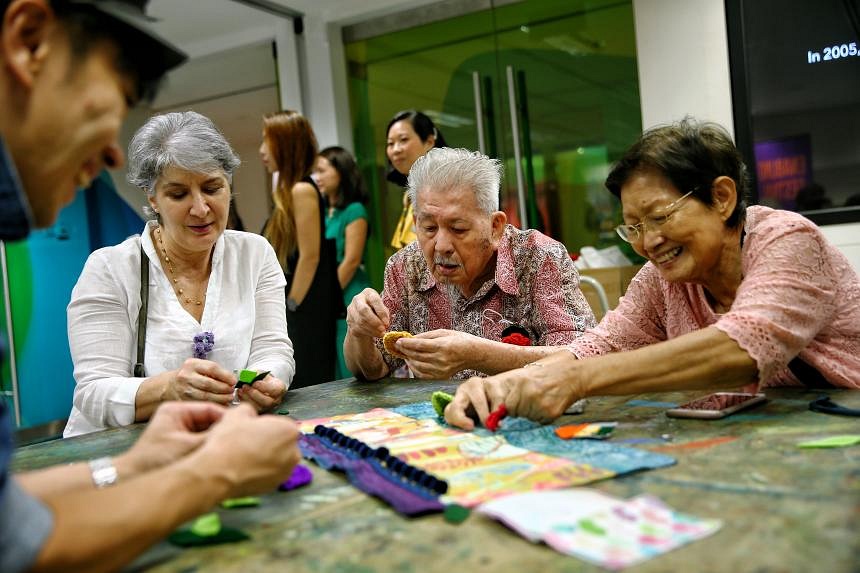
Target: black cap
x=131 y=15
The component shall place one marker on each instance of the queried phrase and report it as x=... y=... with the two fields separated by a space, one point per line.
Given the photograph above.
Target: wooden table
x=784 y=508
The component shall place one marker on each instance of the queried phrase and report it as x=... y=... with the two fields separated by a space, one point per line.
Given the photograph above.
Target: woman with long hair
x=296 y=230
x=337 y=176
x=409 y=135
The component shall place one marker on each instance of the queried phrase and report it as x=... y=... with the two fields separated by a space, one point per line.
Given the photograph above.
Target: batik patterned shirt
x=535 y=285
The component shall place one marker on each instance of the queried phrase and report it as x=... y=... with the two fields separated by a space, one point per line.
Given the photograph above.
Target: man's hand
x=201 y=380
x=439 y=354
x=250 y=454
x=175 y=430
x=265 y=394
x=367 y=315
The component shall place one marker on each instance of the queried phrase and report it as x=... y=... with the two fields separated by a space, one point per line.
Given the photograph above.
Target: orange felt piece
x=570 y=431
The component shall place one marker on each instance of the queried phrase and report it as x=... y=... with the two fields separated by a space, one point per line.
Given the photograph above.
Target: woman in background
x=296 y=230
x=409 y=135
x=339 y=180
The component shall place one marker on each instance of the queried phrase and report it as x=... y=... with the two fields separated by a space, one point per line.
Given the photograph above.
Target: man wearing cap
x=70 y=70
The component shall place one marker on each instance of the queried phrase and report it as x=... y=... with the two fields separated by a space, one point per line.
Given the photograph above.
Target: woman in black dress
x=296 y=231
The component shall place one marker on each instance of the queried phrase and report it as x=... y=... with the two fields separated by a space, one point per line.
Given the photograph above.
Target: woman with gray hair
x=213 y=301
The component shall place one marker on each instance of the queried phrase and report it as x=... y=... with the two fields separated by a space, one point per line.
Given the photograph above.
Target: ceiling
x=230 y=76
x=228 y=41
x=201 y=28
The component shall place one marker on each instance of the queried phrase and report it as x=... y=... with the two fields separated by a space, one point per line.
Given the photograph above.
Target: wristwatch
x=292 y=305
x=103 y=472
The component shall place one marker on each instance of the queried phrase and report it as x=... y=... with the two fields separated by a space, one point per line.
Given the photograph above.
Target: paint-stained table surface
x=783 y=508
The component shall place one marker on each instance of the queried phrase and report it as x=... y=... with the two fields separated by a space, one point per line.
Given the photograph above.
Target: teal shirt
x=335 y=228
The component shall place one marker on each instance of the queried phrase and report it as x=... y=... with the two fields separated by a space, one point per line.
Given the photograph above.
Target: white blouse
x=244 y=309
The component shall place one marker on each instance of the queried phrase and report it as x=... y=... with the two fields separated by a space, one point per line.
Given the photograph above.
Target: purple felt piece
x=327 y=458
x=301 y=476
x=370 y=477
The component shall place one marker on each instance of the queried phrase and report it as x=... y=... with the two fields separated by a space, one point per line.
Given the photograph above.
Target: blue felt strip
x=538 y=438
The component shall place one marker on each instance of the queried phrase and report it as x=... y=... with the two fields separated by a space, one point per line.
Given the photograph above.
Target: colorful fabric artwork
x=628 y=533
x=476 y=467
x=611 y=532
x=536 y=437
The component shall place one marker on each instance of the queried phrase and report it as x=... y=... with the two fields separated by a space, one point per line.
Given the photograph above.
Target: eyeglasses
x=652 y=222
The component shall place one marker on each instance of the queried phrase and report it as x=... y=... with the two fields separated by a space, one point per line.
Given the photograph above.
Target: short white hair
x=444 y=168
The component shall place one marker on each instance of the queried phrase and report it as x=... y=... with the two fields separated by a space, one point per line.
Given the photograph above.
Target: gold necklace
x=180 y=293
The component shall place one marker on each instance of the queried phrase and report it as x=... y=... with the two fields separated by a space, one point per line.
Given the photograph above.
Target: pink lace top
x=799 y=297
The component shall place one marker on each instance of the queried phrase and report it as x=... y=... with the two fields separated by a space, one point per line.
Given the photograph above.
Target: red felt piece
x=495 y=418
x=517 y=338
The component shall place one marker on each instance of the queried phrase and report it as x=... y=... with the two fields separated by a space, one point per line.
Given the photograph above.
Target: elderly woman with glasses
x=214 y=298
x=730 y=295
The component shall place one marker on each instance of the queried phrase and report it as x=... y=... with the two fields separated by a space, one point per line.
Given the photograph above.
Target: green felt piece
x=284 y=412
x=605 y=430
x=206 y=525
x=240 y=502
x=246 y=376
x=832 y=442
x=440 y=400
x=187 y=538
x=456 y=513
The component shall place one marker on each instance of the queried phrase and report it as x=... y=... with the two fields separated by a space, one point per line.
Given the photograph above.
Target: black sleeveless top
x=312 y=326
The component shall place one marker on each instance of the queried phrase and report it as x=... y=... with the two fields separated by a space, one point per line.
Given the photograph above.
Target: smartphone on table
x=717 y=405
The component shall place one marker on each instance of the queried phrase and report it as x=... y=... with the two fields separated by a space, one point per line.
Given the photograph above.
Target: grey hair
x=187 y=140
x=443 y=168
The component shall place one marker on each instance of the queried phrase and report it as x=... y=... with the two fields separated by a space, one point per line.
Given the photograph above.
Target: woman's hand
x=201 y=380
x=540 y=392
x=544 y=389
x=476 y=398
x=264 y=395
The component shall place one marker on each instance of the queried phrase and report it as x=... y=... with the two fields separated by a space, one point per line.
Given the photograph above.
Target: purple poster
x=783 y=166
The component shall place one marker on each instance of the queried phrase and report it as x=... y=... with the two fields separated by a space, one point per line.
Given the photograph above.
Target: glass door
x=548 y=86
x=570 y=93
x=429 y=68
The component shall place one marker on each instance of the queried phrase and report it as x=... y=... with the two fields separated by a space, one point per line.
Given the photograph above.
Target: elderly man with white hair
x=467 y=277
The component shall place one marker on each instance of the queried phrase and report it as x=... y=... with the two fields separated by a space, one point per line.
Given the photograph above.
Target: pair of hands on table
x=540 y=393
x=204 y=380
x=436 y=354
x=251 y=453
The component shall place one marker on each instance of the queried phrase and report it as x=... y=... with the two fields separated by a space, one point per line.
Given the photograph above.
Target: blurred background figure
x=410 y=134
x=234 y=221
x=296 y=230
x=812 y=197
x=339 y=179
x=853 y=200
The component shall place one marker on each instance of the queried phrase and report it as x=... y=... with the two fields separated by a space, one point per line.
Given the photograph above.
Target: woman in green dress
x=337 y=176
